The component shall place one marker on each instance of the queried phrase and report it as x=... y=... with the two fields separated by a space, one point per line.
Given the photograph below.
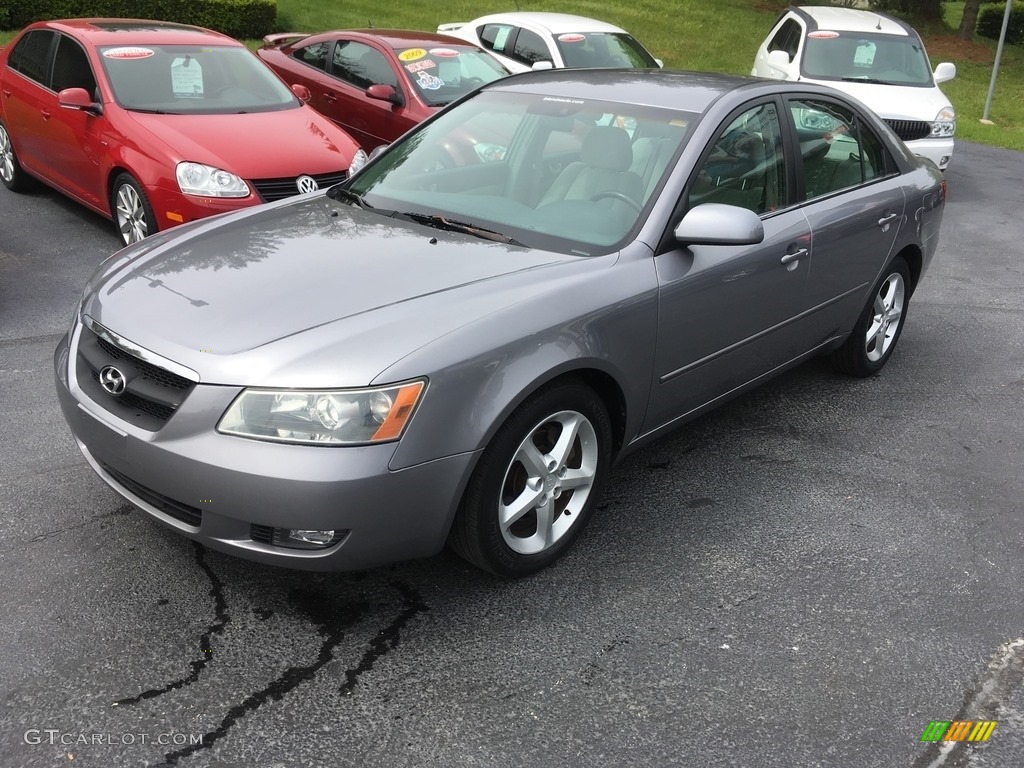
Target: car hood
x=239 y=143
x=307 y=292
x=895 y=102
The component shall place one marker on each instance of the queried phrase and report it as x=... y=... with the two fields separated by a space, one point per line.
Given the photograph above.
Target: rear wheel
x=133 y=214
x=537 y=482
x=10 y=169
x=880 y=324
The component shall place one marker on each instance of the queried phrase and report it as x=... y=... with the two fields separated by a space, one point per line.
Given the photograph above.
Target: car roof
x=556 y=23
x=400 y=38
x=687 y=91
x=852 y=20
x=136 y=32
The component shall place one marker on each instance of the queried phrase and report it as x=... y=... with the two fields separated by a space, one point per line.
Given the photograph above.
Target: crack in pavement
x=1003 y=674
x=221 y=620
x=119 y=512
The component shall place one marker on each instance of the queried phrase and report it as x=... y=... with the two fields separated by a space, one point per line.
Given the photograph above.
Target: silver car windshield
x=187 y=80
x=885 y=59
x=549 y=172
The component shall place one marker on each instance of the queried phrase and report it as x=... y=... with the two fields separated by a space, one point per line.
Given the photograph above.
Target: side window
x=530 y=48
x=837 y=150
x=786 y=39
x=315 y=55
x=361 y=65
x=71 y=68
x=494 y=37
x=745 y=165
x=30 y=56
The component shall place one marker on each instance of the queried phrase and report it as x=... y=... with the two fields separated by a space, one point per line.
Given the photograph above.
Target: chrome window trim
x=136 y=351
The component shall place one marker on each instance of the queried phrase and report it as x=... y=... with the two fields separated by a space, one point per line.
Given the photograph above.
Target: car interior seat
x=653 y=150
x=604 y=166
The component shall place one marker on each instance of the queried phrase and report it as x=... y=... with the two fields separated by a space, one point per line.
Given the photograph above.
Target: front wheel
x=880 y=324
x=133 y=214
x=536 y=483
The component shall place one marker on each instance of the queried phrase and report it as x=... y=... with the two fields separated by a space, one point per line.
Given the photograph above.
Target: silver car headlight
x=944 y=124
x=358 y=161
x=207 y=181
x=323 y=417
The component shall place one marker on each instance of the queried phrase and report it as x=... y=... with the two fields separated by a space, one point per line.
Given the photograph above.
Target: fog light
x=944 y=161
x=318 y=538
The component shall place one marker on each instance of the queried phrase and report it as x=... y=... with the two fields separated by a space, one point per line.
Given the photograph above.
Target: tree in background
x=970 y=19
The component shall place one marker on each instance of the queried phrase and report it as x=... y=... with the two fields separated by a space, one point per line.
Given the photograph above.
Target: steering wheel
x=617 y=196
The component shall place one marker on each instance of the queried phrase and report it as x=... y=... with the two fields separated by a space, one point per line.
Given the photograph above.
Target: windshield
x=556 y=173
x=888 y=59
x=186 y=79
x=600 y=49
x=443 y=74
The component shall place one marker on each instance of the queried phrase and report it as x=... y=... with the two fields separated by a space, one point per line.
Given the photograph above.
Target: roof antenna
x=370 y=23
x=878 y=25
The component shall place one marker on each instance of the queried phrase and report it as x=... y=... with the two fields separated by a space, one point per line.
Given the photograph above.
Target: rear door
x=853 y=199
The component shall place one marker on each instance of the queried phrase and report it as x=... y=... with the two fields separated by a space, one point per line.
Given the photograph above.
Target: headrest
x=607 y=147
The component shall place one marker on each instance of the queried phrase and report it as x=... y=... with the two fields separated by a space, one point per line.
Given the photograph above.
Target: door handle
x=45 y=113
x=7 y=93
x=794 y=256
x=330 y=98
x=888 y=219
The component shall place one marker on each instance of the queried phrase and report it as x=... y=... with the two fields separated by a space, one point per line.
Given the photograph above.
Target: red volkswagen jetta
x=155 y=124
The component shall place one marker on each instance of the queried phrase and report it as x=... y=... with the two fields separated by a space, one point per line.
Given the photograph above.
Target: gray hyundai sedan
x=458 y=343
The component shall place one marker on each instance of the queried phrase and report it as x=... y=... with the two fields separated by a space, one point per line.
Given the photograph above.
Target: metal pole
x=995 y=67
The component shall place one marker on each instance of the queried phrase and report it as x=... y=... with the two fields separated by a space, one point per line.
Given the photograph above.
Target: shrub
x=990 y=23
x=237 y=18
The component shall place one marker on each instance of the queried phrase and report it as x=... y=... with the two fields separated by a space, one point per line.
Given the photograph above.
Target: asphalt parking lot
x=807 y=577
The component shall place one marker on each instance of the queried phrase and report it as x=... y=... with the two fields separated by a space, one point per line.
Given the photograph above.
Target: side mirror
x=78 y=98
x=778 y=63
x=376 y=151
x=384 y=92
x=302 y=92
x=719 y=224
x=542 y=65
x=945 y=72
x=660 y=63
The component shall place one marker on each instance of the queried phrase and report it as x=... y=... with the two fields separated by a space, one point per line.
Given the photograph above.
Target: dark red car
x=379 y=83
x=155 y=124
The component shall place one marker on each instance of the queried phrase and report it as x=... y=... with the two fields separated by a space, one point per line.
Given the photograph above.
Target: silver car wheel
x=6 y=157
x=548 y=482
x=131 y=215
x=888 y=314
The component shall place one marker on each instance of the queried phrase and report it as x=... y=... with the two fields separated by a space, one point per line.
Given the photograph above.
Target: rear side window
x=494 y=37
x=315 y=55
x=31 y=55
x=71 y=67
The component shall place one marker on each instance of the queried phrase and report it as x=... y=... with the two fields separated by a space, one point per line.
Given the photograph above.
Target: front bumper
x=222 y=491
x=939 y=151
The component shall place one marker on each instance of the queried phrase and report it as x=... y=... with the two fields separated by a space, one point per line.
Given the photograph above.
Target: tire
x=11 y=174
x=132 y=213
x=880 y=324
x=554 y=483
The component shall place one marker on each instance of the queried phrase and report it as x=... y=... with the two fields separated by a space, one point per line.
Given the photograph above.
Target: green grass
x=712 y=36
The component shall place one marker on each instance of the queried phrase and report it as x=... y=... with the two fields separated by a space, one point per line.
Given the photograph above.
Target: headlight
x=207 y=181
x=358 y=161
x=323 y=417
x=945 y=124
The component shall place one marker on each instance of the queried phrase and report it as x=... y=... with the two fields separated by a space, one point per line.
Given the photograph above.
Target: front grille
x=152 y=394
x=261 y=533
x=910 y=130
x=278 y=189
x=182 y=512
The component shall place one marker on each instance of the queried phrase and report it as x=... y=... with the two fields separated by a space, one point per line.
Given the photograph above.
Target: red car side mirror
x=78 y=98
x=384 y=92
x=302 y=92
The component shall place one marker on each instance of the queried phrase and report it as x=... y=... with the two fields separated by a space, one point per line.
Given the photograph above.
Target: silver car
x=458 y=343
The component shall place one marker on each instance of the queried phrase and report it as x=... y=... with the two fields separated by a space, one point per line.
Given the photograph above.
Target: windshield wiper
x=451 y=225
x=870 y=80
x=341 y=193
x=151 y=111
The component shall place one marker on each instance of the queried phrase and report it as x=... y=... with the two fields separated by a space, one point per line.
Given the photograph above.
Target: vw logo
x=306 y=184
x=112 y=380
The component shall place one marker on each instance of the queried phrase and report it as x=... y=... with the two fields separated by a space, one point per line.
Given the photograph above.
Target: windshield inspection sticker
x=822 y=35
x=412 y=54
x=128 y=52
x=428 y=82
x=572 y=37
x=416 y=66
